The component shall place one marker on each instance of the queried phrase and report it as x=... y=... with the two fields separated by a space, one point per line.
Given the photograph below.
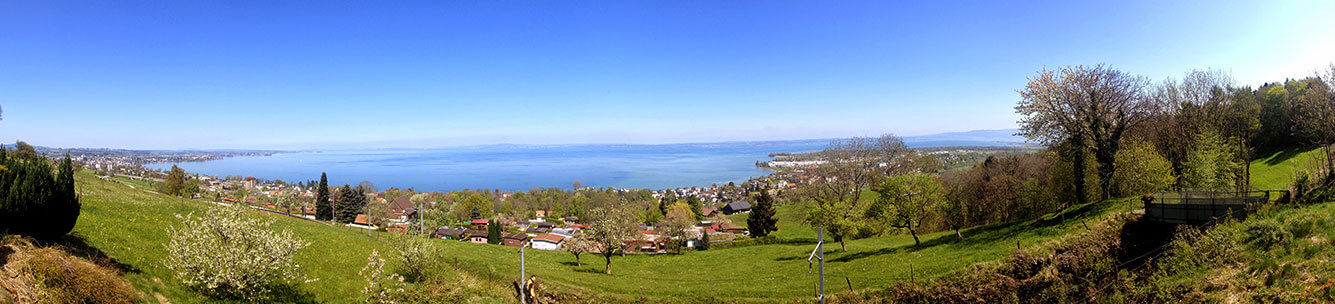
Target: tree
x=1089 y=108
x=677 y=225
x=697 y=207
x=577 y=245
x=366 y=187
x=1315 y=117
x=1141 y=170
x=24 y=151
x=230 y=253
x=175 y=181
x=63 y=210
x=704 y=241
x=1210 y=164
x=954 y=209
x=761 y=221
x=907 y=199
x=36 y=200
x=415 y=254
x=849 y=170
x=493 y=232
x=324 y=210
x=611 y=228
x=576 y=185
x=350 y=203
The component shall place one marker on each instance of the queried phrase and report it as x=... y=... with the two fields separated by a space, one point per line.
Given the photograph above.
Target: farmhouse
x=401 y=209
x=513 y=239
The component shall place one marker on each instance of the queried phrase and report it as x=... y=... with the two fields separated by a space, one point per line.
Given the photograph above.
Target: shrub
x=1267 y=233
x=33 y=200
x=230 y=253
x=415 y=255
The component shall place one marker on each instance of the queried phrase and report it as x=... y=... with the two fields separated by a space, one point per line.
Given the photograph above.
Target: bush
x=1267 y=233
x=381 y=287
x=33 y=200
x=415 y=254
x=230 y=253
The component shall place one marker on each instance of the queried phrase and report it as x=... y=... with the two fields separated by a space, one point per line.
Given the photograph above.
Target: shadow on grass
x=993 y=233
x=1275 y=156
x=291 y=293
x=590 y=270
x=76 y=245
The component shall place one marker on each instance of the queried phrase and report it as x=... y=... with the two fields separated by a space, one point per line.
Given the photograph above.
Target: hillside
x=1273 y=169
x=129 y=225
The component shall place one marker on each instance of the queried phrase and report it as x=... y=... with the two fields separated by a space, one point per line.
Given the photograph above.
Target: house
x=362 y=220
x=449 y=233
x=566 y=232
x=476 y=236
x=708 y=212
x=732 y=228
x=570 y=220
x=402 y=209
x=535 y=230
x=513 y=239
x=547 y=241
x=736 y=207
x=540 y=214
x=481 y=224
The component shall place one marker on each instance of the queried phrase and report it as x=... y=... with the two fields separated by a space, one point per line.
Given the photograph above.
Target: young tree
x=907 y=199
x=415 y=255
x=493 y=232
x=577 y=245
x=1141 y=170
x=1210 y=164
x=611 y=228
x=324 y=210
x=1089 y=108
x=704 y=241
x=761 y=221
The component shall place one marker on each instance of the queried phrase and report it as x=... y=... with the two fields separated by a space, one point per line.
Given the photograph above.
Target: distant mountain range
x=985 y=138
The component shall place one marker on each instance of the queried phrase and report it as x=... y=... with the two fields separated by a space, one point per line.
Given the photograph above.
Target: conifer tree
x=323 y=211
x=761 y=221
x=493 y=232
x=351 y=202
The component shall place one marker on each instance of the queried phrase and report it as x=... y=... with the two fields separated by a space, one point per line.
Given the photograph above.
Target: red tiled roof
x=481 y=221
x=549 y=237
x=361 y=219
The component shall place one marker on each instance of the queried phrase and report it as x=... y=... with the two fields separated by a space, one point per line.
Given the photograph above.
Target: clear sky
x=312 y=74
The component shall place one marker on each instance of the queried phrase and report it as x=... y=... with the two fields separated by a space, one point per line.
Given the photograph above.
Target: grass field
x=1273 y=169
x=129 y=225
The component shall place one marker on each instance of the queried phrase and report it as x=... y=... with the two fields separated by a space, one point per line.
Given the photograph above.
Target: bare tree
x=1089 y=108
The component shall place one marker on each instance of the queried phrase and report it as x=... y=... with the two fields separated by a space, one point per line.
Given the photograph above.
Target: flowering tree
x=415 y=254
x=230 y=253
x=380 y=287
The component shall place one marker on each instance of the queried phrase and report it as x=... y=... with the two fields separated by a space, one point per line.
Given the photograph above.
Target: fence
x=1195 y=207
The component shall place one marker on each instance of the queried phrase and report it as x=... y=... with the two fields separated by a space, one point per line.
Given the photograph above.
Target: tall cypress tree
x=761 y=221
x=323 y=210
x=63 y=210
x=493 y=232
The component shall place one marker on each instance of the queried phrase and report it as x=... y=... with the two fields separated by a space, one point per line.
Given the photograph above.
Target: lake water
x=515 y=167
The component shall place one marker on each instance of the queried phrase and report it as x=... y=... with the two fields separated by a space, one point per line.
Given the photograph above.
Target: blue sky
x=273 y=74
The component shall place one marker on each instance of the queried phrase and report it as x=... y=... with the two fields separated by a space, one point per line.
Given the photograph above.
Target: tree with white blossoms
x=612 y=227
x=380 y=287
x=230 y=253
x=415 y=254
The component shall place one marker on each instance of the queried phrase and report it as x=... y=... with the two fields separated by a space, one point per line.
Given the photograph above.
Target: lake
x=516 y=167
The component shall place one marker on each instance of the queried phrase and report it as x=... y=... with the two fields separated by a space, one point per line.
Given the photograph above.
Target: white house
x=547 y=241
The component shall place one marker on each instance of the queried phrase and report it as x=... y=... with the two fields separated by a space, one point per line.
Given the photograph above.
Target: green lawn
x=1273 y=169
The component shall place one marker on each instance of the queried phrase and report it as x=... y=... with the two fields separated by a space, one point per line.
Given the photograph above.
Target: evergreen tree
x=493 y=232
x=323 y=210
x=704 y=242
x=350 y=203
x=695 y=204
x=63 y=211
x=761 y=221
x=33 y=201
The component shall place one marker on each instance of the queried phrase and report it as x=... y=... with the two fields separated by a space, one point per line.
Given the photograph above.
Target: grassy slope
x=1274 y=168
x=129 y=225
